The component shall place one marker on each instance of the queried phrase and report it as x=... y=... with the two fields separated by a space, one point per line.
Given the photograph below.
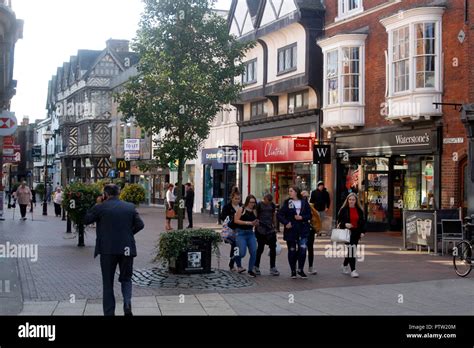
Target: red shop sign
x=274 y=150
x=301 y=145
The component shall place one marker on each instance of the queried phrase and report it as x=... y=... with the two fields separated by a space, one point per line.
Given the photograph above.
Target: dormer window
x=249 y=75
x=348 y=8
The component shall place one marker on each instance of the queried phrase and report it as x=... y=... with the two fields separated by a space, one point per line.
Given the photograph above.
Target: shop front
x=220 y=175
x=159 y=180
x=273 y=165
x=391 y=171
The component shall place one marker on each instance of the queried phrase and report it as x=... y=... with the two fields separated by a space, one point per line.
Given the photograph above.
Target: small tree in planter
x=186 y=247
x=40 y=190
x=78 y=199
x=133 y=193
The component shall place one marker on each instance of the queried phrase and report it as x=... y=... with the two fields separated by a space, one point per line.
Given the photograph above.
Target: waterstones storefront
x=391 y=170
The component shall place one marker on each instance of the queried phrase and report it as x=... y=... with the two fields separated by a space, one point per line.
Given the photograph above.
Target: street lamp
x=47 y=137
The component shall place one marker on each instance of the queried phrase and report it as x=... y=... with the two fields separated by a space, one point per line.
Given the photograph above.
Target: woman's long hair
x=235 y=192
x=346 y=203
x=247 y=202
x=298 y=192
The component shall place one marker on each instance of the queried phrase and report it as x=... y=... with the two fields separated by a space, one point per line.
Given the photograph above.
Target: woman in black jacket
x=295 y=215
x=229 y=211
x=351 y=216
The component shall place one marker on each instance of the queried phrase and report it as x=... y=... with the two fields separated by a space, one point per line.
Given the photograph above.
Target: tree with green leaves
x=186 y=73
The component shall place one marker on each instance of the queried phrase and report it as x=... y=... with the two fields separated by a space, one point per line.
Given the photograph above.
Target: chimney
x=118 y=45
x=26 y=121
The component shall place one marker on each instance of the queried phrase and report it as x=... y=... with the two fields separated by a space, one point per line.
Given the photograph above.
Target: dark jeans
x=23 y=209
x=108 y=265
x=57 y=209
x=266 y=239
x=310 y=246
x=233 y=245
x=351 y=251
x=189 y=211
x=297 y=253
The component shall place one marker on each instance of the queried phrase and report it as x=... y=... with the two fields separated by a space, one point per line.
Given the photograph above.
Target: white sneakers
x=354 y=274
x=346 y=270
x=311 y=270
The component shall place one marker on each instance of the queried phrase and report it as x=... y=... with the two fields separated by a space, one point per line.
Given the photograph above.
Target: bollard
x=219 y=213
x=64 y=214
x=68 y=225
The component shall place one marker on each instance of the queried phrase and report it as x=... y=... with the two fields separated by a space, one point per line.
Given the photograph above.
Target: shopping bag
x=227 y=233
x=340 y=235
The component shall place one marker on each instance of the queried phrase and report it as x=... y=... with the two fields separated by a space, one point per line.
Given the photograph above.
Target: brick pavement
x=63 y=269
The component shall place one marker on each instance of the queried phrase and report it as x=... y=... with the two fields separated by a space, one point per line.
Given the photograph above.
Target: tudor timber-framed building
x=80 y=101
x=279 y=107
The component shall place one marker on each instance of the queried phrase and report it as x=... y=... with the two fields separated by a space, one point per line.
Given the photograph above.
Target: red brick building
x=386 y=64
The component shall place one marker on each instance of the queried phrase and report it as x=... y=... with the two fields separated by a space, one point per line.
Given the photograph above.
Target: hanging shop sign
x=123 y=165
x=322 y=154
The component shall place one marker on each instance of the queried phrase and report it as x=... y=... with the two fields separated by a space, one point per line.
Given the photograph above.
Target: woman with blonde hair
x=351 y=216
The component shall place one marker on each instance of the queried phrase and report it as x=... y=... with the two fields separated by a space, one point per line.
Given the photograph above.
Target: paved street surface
x=66 y=280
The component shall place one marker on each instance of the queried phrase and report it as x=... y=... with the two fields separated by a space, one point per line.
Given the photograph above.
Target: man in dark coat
x=117 y=223
x=321 y=200
x=189 y=203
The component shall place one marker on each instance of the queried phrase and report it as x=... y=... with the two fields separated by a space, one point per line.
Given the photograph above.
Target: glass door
x=376 y=200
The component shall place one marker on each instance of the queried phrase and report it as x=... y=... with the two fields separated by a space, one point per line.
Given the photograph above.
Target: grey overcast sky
x=54 y=30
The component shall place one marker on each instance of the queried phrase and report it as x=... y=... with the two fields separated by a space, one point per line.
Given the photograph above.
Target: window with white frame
x=250 y=72
x=343 y=80
x=414 y=51
x=348 y=8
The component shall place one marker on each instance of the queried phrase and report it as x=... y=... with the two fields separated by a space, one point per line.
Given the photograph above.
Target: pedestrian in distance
x=266 y=233
x=294 y=215
x=170 y=199
x=228 y=211
x=321 y=200
x=314 y=228
x=24 y=197
x=33 y=200
x=246 y=221
x=58 y=200
x=49 y=192
x=117 y=223
x=189 y=203
x=351 y=216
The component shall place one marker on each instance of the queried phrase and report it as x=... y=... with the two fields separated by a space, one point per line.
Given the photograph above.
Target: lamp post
x=47 y=137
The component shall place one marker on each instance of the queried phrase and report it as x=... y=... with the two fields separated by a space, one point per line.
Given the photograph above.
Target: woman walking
x=246 y=219
x=294 y=215
x=24 y=197
x=170 y=199
x=229 y=211
x=266 y=233
x=351 y=216
x=58 y=200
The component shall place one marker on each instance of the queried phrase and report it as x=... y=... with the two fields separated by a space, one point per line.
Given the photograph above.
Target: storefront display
x=273 y=165
x=391 y=176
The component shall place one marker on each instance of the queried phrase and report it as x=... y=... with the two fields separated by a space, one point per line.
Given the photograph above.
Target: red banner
x=279 y=149
x=8 y=141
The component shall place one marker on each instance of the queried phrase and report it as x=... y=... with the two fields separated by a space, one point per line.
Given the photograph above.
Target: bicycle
x=462 y=252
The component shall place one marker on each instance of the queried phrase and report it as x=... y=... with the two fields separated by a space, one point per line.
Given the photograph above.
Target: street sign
x=8 y=124
x=322 y=154
x=112 y=173
x=123 y=165
x=131 y=145
x=36 y=151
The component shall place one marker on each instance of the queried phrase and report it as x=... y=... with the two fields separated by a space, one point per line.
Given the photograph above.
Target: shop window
x=258 y=109
x=249 y=75
x=298 y=101
x=287 y=59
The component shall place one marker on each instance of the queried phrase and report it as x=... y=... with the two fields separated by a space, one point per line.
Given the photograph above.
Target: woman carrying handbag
x=170 y=213
x=295 y=215
x=351 y=216
x=229 y=211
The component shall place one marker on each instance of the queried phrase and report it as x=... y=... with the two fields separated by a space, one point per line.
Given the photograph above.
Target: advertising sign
x=131 y=145
x=8 y=123
x=322 y=154
x=123 y=165
x=420 y=228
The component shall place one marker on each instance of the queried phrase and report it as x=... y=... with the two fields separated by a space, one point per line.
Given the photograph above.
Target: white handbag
x=278 y=249
x=340 y=235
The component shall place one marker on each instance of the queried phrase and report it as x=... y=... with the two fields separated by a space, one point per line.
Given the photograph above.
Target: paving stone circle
x=217 y=280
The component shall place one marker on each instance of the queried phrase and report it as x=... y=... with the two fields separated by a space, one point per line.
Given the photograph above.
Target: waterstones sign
x=419 y=141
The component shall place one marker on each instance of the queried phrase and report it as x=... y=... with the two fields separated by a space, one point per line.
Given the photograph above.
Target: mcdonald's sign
x=122 y=165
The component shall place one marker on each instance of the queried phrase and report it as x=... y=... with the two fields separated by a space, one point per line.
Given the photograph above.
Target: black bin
x=195 y=260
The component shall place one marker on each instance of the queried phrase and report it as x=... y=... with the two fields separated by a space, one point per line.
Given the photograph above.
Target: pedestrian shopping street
x=426 y=283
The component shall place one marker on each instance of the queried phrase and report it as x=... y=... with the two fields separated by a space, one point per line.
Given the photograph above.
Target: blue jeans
x=246 y=238
x=297 y=253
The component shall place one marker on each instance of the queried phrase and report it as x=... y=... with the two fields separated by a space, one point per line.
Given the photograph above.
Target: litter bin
x=195 y=260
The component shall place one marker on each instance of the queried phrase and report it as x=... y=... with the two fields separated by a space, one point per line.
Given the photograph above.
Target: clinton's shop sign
x=278 y=150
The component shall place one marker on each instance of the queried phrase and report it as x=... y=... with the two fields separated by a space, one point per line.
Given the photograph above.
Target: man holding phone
x=117 y=223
